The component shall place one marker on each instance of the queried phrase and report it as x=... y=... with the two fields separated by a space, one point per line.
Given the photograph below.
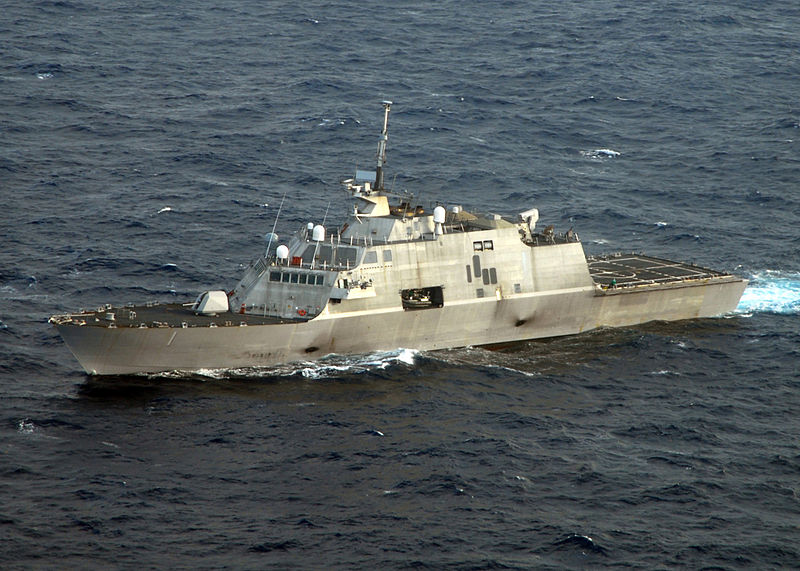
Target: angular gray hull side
x=110 y=351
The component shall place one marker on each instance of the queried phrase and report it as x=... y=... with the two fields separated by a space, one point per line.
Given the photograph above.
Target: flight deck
x=621 y=271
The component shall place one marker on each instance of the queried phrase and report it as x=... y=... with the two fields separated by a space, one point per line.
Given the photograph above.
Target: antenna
x=324 y=218
x=387 y=105
x=275 y=224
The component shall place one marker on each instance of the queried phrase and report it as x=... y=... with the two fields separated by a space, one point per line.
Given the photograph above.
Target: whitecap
x=165 y=209
x=215 y=182
x=662 y=224
x=26 y=426
x=331 y=122
x=601 y=154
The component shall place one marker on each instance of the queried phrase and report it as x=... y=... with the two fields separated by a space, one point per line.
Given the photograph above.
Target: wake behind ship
x=395 y=275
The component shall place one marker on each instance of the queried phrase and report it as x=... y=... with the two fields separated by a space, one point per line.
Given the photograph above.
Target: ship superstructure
x=397 y=275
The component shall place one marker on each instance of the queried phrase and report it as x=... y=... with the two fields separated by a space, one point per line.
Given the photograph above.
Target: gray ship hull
x=129 y=350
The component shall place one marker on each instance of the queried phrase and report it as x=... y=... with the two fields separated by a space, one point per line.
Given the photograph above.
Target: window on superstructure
x=294 y=278
x=371 y=257
x=346 y=255
x=285 y=278
x=477 y=246
x=303 y=278
x=274 y=276
x=324 y=254
x=488 y=245
x=308 y=255
x=387 y=256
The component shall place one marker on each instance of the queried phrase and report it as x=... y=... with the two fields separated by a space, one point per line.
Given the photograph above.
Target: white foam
x=26 y=426
x=165 y=209
x=329 y=366
x=215 y=182
x=337 y=365
x=601 y=154
x=772 y=291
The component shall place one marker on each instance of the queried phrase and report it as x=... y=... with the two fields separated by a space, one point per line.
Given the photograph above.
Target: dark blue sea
x=144 y=150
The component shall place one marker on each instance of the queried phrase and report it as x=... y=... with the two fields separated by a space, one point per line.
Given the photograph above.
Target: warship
x=393 y=275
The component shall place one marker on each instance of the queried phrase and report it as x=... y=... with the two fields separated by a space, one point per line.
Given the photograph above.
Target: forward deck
x=162 y=315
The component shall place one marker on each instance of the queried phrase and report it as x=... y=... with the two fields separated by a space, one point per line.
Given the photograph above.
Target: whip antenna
x=387 y=105
x=272 y=236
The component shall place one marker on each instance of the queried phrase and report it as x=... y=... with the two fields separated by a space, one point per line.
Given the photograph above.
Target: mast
x=382 y=147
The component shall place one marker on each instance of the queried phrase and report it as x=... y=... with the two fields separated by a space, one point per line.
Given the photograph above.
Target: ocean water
x=145 y=149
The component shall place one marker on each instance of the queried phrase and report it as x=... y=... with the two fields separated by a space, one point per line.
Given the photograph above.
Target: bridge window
x=274 y=276
x=346 y=256
x=477 y=246
x=488 y=245
x=387 y=256
x=371 y=257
